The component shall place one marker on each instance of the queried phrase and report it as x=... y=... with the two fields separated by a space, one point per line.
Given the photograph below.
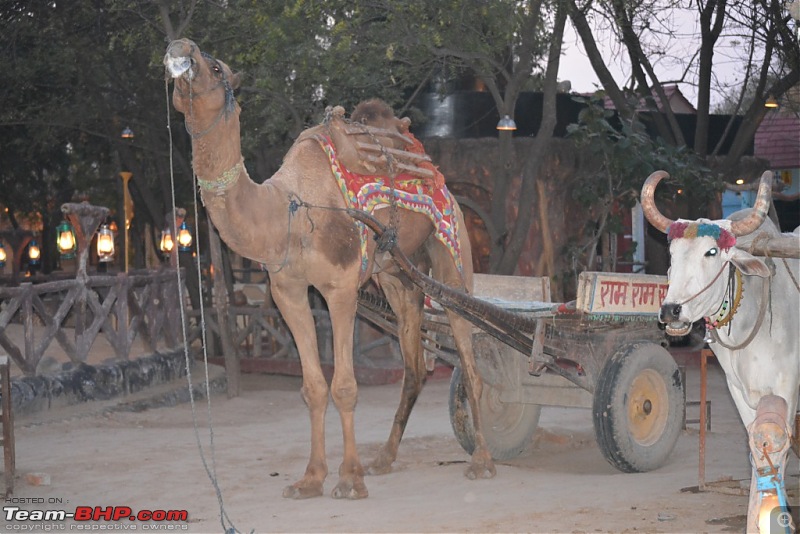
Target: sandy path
x=150 y=460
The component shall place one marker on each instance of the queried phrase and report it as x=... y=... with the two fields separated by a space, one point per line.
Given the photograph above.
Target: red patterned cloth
x=368 y=192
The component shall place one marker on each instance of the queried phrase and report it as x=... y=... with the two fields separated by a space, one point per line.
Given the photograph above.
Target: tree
x=509 y=47
x=771 y=59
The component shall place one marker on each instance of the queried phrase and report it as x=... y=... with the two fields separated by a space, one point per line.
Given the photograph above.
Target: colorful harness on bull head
x=725 y=240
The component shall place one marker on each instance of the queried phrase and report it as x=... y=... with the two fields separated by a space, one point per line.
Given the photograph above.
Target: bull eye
x=712 y=252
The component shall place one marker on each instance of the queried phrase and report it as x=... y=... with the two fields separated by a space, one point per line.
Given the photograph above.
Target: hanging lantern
x=166 y=242
x=507 y=124
x=105 y=244
x=65 y=240
x=184 y=238
x=3 y=256
x=34 y=253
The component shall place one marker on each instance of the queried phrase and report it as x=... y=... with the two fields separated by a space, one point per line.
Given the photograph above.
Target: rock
x=37 y=479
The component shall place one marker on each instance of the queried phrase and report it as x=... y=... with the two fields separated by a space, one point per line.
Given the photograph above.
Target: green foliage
x=623 y=154
x=626 y=155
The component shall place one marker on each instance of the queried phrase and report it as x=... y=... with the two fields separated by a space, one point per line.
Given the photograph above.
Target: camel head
x=203 y=85
x=701 y=252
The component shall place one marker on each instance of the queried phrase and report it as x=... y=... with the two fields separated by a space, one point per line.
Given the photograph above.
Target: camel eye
x=712 y=252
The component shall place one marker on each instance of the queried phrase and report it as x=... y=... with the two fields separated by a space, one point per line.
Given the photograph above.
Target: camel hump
x=374 y=141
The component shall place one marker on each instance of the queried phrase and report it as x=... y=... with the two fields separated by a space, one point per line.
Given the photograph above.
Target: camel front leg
x=407 y=305
x=294 y=307
x=769 y=438
x=344 y=391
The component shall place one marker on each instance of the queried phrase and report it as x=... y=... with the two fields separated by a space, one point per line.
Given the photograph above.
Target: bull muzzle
x=670 y=315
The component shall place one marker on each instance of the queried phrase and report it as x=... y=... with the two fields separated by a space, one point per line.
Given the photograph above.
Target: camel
x=295 y=225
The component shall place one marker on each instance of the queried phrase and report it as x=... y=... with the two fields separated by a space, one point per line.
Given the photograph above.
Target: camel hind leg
x=406 y=301
x=444 y=269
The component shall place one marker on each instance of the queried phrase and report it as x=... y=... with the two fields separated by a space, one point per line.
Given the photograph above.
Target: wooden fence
x=74 y=313
x=145 y=306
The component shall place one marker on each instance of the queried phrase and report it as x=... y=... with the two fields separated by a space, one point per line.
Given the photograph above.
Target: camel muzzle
x=178 y=66
x=178 y=59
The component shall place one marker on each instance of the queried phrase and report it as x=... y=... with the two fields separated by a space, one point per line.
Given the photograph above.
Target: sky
x=576 y=68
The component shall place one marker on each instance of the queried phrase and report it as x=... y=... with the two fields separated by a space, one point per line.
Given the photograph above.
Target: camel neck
x=215 y=155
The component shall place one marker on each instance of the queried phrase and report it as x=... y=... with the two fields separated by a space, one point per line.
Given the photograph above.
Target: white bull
x=751 y=306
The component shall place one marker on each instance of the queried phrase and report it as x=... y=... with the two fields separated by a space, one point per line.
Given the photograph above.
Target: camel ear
x=749 y=264
x=236 y=80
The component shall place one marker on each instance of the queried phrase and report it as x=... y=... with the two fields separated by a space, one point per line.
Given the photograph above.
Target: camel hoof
x=379 y=468
x=349 y=490
x=381 y=465
x=302 y=491
x=480 y=470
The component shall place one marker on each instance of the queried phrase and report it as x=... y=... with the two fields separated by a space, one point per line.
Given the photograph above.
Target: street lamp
x=507 y=124
x=105 y=244
x=771 y=103
x=34 y=253
x=167 y=244
x=184 y=238
x=127 y=202
x=65 y=240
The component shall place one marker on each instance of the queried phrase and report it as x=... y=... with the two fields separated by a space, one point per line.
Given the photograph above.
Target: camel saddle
x=376 y=144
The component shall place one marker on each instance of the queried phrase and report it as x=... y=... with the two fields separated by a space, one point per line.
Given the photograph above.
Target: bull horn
x=649 y=204
x=760 y=208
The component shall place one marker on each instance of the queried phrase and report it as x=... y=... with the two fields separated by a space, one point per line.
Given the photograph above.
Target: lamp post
x=127 y=204
x=85 y=219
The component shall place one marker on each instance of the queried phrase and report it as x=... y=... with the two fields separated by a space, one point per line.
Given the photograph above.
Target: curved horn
x=649 y=204
x=760 y=208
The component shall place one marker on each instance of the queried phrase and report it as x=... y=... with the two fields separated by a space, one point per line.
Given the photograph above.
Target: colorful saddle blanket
x=368 y=192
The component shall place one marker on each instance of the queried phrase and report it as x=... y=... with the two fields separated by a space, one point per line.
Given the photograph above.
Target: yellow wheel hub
x=648 y=407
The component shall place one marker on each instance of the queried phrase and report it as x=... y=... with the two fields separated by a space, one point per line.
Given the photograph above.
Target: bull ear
x=749 y=264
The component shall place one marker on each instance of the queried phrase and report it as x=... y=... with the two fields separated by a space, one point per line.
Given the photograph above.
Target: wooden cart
x=603 y=351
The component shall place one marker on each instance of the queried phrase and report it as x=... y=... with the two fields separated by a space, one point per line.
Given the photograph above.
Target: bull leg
x=407 y=305
x=293 y=304
x=344 y=391
x=769 y=439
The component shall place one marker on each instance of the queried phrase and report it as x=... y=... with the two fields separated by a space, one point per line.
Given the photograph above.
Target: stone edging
x=86 y=383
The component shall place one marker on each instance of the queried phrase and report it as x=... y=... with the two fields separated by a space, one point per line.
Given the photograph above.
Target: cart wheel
x=638 y=407
x=507 y=428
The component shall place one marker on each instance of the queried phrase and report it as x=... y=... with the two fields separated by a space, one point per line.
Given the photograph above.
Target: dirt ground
x=151 y=460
